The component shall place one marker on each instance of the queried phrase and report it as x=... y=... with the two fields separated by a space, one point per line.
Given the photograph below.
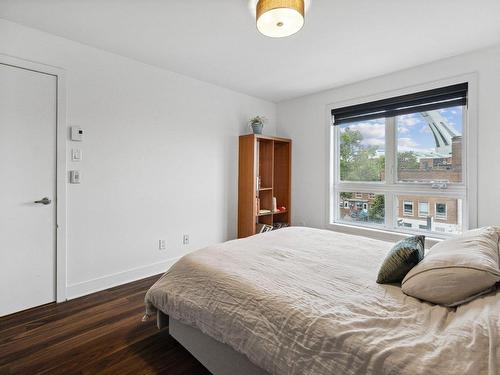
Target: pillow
x=401 y=258
x=456 y=270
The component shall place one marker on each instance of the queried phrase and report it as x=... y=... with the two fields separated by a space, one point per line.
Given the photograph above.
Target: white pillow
x=456 y=270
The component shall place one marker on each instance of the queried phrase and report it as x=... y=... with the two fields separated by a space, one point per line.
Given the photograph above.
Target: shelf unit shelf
x=280 y=212
x=274 y=213
x=269 y=160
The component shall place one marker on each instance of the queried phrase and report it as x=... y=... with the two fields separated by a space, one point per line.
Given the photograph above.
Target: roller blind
x=428 y=100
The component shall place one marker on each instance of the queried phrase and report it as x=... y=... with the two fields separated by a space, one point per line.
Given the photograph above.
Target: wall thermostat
x=74 y=177
x=76 y=133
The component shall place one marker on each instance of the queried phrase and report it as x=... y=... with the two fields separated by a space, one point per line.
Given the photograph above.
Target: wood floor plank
x=97 y=334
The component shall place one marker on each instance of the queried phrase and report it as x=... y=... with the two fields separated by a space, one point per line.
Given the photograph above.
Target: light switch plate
x=76 y=154
x=74 y=177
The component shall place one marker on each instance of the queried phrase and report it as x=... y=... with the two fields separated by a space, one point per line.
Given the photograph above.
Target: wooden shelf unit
x=270 y=159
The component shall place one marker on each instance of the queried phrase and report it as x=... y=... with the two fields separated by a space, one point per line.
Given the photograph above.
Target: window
x=441 y=211
x=360 y=211
x=423 y=209
x=435 y=221
x=408 y=208
x=401 y=152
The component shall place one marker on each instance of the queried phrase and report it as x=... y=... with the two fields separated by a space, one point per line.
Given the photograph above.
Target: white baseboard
x=109 y=281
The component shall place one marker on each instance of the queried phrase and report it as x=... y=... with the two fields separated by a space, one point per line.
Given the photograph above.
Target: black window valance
x=442 y=97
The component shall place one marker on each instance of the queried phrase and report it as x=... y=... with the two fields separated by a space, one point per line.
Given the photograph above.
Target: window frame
x=420 y=211
x=390 y=188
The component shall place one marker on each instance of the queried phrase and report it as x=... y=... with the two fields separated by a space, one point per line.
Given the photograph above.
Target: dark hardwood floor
x=97 y=334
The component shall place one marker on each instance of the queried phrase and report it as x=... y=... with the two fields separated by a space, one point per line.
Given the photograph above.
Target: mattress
x=305 y=301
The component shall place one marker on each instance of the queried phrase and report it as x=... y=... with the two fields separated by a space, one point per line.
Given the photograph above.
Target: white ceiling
x=216 y=40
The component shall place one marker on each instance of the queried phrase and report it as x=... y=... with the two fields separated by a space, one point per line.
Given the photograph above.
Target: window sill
x=378 y=234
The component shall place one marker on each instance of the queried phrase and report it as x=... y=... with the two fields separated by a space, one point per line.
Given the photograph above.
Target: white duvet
x=305 y=301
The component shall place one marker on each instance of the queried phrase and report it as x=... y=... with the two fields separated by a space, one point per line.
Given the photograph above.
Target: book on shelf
x=264 y=211
x=262 y=228
x=278 y=225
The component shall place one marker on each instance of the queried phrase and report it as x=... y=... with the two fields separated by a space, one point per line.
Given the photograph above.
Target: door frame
x=61 y=137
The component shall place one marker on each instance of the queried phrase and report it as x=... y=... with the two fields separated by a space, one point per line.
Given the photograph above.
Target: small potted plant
x=257 y=123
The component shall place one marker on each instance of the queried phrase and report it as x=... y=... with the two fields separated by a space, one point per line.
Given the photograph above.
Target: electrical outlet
x=185 y=239
x=162 y=244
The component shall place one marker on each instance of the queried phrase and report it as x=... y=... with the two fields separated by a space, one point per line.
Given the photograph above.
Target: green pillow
x=401 y=259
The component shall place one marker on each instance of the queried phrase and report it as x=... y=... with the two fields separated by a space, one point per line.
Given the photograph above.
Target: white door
x=27 y=174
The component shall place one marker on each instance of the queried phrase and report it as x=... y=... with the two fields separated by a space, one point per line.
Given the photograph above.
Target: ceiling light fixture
x=280 y=18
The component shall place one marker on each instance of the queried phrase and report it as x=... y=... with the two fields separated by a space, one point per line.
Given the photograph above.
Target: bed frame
x=218 y=358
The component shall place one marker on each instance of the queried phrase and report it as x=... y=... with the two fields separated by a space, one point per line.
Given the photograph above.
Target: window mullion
x=390 y=170
x=335 y=178
x=390 y=150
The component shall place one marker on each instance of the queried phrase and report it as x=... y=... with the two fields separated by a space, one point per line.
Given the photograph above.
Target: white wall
x=305 y=121
x=159 y=159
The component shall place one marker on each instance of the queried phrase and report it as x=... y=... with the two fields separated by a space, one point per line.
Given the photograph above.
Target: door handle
x=44 y=200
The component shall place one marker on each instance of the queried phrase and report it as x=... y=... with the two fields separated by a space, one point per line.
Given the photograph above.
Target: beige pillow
x=456 y=270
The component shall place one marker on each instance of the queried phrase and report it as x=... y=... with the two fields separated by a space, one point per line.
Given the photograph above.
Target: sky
x=413 y=132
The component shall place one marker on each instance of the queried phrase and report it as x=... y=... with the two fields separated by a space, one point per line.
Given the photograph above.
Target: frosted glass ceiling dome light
x=280 y=18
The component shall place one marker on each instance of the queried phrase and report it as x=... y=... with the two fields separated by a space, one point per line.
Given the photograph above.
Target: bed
x=305 y=301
